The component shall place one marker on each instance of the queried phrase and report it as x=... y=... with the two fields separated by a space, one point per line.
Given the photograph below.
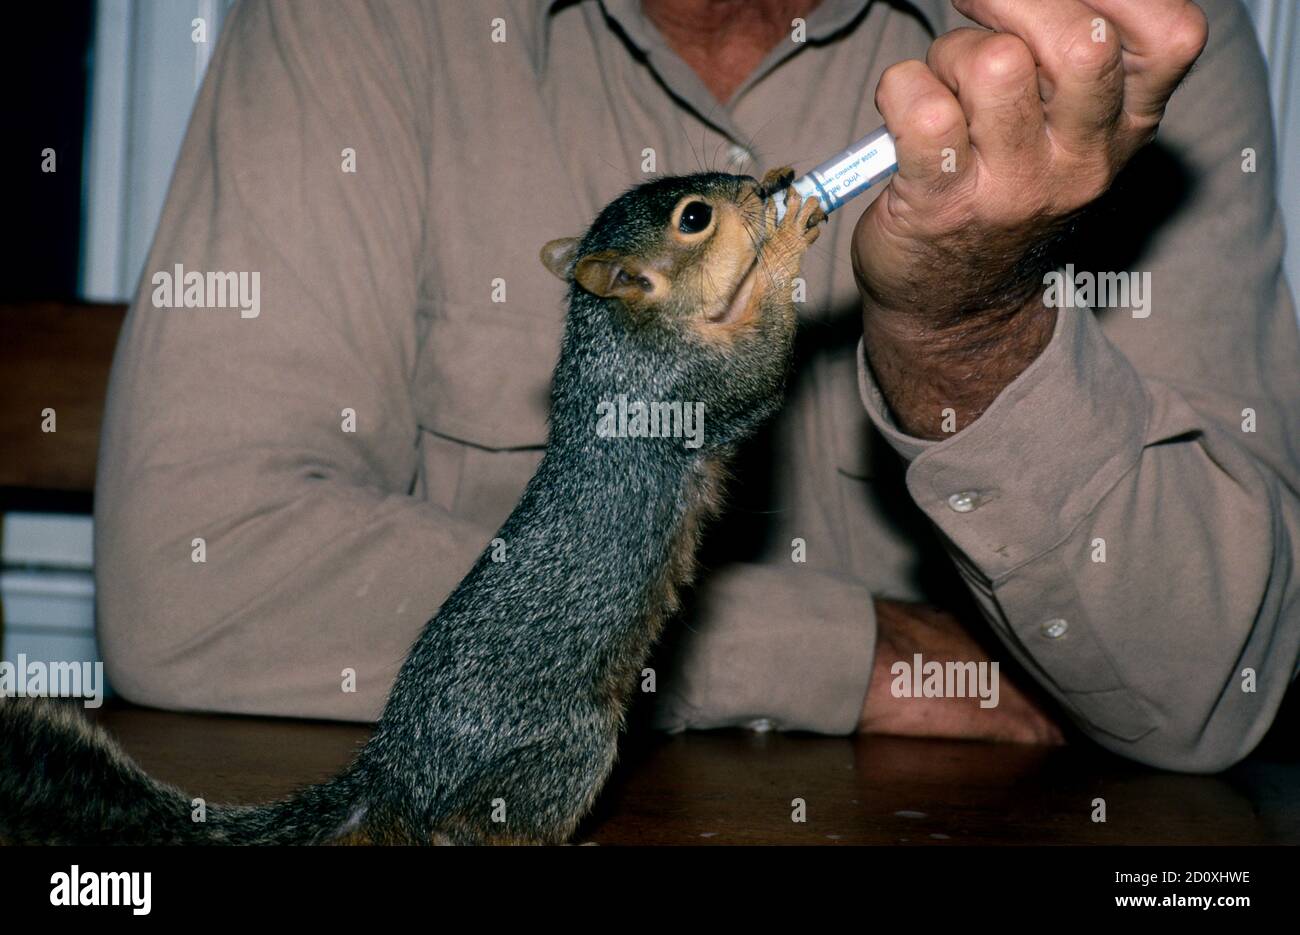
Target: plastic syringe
x=845 y=176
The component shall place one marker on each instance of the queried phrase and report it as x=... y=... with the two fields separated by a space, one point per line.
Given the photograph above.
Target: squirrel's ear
x=557 y=256
x=611 y=275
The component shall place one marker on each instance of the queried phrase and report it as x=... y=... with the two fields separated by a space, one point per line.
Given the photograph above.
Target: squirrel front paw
x=774 y=180
x=803 y=217
x=795 y=232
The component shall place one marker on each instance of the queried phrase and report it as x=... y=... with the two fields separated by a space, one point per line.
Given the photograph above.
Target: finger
x=1160 y=39
x=1081 y=70
x=927 y=123
x=995 y=79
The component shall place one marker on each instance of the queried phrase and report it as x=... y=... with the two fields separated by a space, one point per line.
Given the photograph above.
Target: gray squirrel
x=503 y=722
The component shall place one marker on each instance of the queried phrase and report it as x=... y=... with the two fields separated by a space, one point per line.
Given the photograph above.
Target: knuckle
x=897 y=86
x=948 y=46
x=1004 y=58
x=1088 y=55
x=935 y=116
x=1188 y=34
x=896 y=78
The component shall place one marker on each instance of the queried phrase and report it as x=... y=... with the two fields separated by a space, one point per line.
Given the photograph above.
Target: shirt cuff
x=1017 y=480
x=771 y=648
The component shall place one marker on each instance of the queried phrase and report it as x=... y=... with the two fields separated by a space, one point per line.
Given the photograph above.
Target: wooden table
x=55 y=355
x=734 y=787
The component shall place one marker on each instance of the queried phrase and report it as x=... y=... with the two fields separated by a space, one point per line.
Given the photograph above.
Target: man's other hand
x=905 y=630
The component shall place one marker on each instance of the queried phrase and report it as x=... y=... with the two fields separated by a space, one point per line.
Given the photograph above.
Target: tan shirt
x=326 y=550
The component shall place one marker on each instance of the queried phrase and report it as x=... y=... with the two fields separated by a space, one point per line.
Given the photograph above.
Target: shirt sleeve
x=1126 y=511
x=781 y=648
x=258 y=549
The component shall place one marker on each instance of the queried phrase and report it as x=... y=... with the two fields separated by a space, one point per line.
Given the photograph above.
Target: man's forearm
x=303 y=608
x=1003 y=136
x=924 y=370
x=1132 y=554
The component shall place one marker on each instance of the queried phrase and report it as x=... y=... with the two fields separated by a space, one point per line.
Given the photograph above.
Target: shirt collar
x=680 y=80
x=829 y=17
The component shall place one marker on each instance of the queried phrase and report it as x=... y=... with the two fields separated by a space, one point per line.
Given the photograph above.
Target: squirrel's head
x=674 y=298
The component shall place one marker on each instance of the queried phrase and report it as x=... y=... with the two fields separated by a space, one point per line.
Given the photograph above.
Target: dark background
x=45 y=57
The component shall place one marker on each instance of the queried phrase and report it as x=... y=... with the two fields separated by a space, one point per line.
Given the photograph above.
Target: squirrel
x=503 y=722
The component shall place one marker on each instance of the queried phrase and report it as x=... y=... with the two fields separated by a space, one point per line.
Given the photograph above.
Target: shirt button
x=738 y=156
x=963 y=502
x=1055 y=628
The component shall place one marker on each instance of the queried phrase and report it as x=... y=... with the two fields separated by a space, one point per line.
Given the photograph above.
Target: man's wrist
x=940 y=376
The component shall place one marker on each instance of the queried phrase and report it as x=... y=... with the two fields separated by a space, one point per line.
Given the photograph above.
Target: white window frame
x=146 y=71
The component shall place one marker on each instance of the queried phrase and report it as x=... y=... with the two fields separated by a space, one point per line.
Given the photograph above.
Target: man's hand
x=903 y=630
x=1002 y=136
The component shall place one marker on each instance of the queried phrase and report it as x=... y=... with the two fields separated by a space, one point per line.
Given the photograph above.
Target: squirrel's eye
x=695 y=217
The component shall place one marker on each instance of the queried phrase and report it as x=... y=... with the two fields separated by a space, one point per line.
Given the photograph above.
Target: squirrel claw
x=813 y=215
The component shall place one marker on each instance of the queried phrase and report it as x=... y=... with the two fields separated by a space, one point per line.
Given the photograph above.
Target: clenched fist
x=1003 y=135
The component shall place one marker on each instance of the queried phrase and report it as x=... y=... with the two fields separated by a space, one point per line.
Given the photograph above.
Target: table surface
x=737 y=787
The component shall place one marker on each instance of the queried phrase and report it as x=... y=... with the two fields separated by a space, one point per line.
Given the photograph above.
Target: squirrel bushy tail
x=64 y=780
